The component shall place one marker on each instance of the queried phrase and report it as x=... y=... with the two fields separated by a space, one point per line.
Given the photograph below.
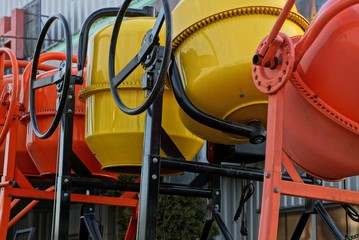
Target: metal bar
x=169 y=147
x=328 y=220
x=80 y=198
x=132 y=226
x=288 y=165
x=170 y=189
x=89 y=226
x=8 y=175
x=26 y=209
x=220 y=170
x=61 y=211
x=319 y=192
x=222 y=226
x=268 y=226
x=150 y=174
x=301 y=225
x=206 y=229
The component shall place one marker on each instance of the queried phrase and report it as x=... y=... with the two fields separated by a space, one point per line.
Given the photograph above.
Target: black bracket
x=19 y=234
x=213 y=212
x=89 y=226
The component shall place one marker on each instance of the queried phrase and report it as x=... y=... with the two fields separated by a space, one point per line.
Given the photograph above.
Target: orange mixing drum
x=321 y=115
x=44 y=152
x=7 y=90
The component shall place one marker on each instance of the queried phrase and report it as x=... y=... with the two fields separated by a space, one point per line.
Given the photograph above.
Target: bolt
x=276 y=189
x=317 y=181
x=154 y=176
x=216 y=206
x=66 y=195
x=216 y=192
x=267 y=175
x=69 y=111
x=70 y=97
x=155 y=160
x=66 y=180
x=90 y=209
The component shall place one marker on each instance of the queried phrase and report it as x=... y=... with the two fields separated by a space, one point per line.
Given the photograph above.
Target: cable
x=351 y=212
x=247 y=192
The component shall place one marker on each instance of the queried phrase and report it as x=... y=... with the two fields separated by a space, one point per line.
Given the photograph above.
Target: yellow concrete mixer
x=113 y=136
x=213 y=44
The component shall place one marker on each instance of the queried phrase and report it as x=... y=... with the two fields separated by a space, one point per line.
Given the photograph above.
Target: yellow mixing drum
x=214 y=50
x=113 y=136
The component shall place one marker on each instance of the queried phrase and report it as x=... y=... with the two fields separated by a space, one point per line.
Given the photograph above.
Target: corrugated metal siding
x=231 y=195
x=7 y=5
x=75 y=11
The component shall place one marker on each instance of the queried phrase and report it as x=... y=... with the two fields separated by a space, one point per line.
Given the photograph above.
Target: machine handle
x=255 y=132
x=60 y=79
x=154 y=58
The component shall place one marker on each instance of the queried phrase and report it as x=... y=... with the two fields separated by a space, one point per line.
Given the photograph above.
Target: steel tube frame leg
x=268 y=227
x=150 y=174
x=61 y=211
x=8 y=177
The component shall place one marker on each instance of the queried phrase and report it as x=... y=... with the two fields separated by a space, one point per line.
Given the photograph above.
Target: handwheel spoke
x=155 y=64
x=43 y=82
x=126 y=71
x=151 y=40
x=158 y=24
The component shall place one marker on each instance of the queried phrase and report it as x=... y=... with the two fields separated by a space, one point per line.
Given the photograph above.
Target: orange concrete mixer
x=325 y=89
x=9 y=107
x=50 y=93
x=321 y=115
x=44 y=152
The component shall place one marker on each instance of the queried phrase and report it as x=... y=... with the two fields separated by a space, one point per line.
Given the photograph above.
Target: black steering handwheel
x=148 y=51
x=61 y=79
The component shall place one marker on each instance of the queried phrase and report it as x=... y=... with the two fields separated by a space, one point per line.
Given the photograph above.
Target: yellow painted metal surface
x=214 y=49
x=113 y=136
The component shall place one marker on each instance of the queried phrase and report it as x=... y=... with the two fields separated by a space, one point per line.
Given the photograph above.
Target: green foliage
x=181 y=218
x=178 y=218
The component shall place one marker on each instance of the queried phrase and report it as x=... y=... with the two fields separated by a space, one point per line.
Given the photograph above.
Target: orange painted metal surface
x=23 y=160
x=44 y=152
x=313 y=119
x=321 y=113
x=325 y=88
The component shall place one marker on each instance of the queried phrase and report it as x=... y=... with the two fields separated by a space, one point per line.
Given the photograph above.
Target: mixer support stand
x=150 y=174
x=8 y=178
x=315 y=207
x=61 y=211
x=89 y=227
x=274 y=186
